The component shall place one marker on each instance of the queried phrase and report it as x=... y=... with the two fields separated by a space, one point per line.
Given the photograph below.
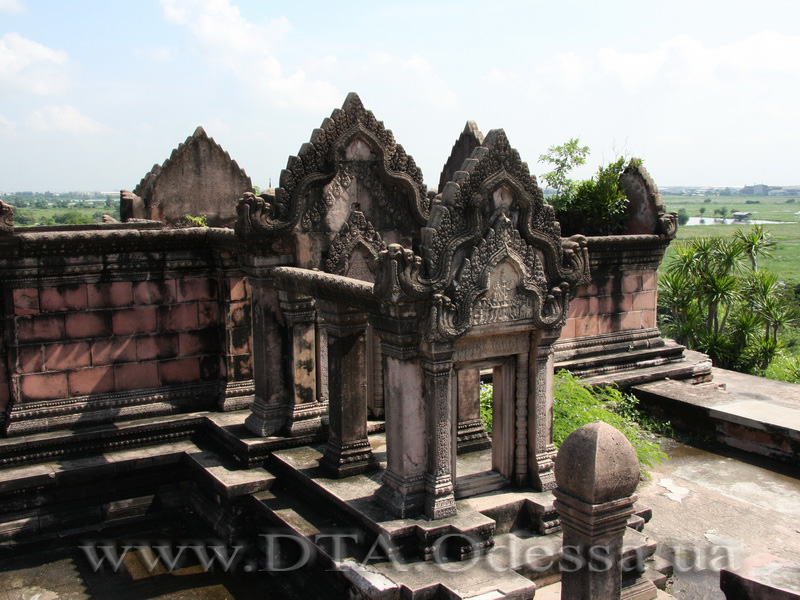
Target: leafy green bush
x=596 y=206
x=599 y=205
x=714 y=298
x=576 y=405
x=486 y=407
x=201 y=221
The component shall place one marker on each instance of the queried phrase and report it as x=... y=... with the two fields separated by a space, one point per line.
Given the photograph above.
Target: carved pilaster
x=521 y=448
x=304 y=412
x=375 y=376
x=437 y=366
x=541 y=451
x=348 y=451
x=269 y=405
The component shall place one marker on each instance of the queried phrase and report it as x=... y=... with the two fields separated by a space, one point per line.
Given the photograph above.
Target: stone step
x=353 y=497
x=70 y=444
x=224 y=478
x=479 y=483
x=694 y=369
x=609 y=360
x=754 y=414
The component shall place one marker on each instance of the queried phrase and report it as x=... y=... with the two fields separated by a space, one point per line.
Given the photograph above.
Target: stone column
x=403 y=489
x=348 y=451
x=437 y=366
x=471 y=435
x=269 y=405
x=375 y=375
x=597 y=473
x=304 y=412
x=541 y=451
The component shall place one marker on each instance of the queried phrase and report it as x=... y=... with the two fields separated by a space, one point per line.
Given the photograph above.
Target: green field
x=768 y=208
x=786 y=254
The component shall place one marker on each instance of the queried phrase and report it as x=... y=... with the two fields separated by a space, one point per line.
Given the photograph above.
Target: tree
x=702 y=210
x=713 y=299
x=755 y=242
x=563 y=159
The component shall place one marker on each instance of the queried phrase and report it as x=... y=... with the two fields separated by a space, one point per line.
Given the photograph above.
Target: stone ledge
x=762 y=577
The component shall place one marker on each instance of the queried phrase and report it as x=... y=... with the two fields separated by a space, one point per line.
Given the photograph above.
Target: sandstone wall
x=109 y=325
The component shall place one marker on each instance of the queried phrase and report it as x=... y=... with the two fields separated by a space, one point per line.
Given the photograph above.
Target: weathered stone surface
x=199 y=179
x=597 y=464
x=596 y=472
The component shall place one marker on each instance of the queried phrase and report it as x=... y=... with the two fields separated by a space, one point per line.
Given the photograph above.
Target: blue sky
x=93 y=93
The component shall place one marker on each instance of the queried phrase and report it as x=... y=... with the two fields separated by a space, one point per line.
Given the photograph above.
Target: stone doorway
x=490 y=465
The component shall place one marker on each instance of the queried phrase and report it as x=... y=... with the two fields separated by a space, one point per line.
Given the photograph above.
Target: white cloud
x=247 y=50
x=688 y=61
x=30 y=66
x=67 y=119
x=161 y=54
x=8 y=129
x=414 y=78
x=569 y=70
x=11 y=6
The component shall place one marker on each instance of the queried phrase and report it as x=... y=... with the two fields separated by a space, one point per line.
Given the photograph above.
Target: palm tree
x=755 y=242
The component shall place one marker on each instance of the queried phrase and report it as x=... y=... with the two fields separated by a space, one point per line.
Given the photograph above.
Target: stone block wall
x=612 y=322
x=614 y=303
x=113 y=335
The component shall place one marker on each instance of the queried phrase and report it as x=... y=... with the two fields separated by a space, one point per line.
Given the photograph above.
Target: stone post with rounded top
x=597 y=472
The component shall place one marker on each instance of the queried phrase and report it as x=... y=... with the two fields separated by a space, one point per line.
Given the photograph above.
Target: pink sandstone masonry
x=153 y=340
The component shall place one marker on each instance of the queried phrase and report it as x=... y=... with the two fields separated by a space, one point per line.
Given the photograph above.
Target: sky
x=93 y=93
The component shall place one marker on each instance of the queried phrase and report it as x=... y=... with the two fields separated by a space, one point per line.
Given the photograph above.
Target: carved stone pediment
x=647 y=213
x=493 y=251
x=495 y=179
x=351 y=158
x=355 y=248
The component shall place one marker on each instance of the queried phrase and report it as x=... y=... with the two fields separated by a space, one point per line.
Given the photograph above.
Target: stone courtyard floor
x=709 y=507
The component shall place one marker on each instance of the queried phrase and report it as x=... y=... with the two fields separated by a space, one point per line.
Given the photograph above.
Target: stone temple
x=312 y=361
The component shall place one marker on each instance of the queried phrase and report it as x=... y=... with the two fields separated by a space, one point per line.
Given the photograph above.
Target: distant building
x=755 y=190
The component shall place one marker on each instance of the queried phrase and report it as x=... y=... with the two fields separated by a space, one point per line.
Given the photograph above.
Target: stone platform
x=741 y=411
